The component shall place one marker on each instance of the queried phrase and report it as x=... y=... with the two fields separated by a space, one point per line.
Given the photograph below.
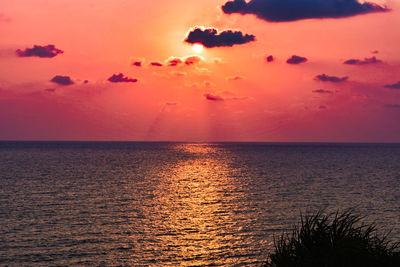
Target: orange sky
x=232 y=94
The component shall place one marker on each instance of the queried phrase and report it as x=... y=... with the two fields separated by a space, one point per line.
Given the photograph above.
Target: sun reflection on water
x=196 y=205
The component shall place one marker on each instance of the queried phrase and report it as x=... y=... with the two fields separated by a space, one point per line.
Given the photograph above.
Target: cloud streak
x=327 y=78
x=223 y=96
x=322 y=91
x=291 y=10
x=366 y=61
x=156 y=64
x=394 y=86
x=396 y=106
x=211 y=37
x=212 y=97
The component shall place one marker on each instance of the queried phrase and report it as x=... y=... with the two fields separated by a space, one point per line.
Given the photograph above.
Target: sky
x=200 y=71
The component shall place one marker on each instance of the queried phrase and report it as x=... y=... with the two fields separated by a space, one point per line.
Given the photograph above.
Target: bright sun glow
x=198 y=48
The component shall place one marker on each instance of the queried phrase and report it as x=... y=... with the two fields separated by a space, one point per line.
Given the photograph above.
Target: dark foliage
x=334 y=240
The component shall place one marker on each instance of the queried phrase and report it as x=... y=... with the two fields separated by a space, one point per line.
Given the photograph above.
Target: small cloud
x=394 y=86
x=62 y=80
x=391 y=105
x=208 y=84
x=322 y=91
x=85 y=81
x=323 y=107
x=137 y=63
x=229 y=95
x=212 y=97
x=234 y=78
x=211 y=37
x=48 y=51
x=269 y=58
x=193 y=60
x=296 y=60
x=217 y=60
x=334 y=79
x=290 y=10
x=177 y=61
x=372 y=60
x=168 y=106
x=50 y=90
x=205 y=84
x=178 y=73
x=203 y=71
x=375 y=52
x=174 y=61
x=120 y=78
x=224 y=96
x=171 y=104
x=193 y=85
x=156 y=64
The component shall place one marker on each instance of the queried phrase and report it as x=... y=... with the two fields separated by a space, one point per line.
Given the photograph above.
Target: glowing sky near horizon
x=127 y=70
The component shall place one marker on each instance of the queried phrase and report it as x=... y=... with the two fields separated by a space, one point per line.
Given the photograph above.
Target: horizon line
x=200 y=142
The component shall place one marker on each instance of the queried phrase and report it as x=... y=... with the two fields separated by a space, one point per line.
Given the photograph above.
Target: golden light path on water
x=201 y=220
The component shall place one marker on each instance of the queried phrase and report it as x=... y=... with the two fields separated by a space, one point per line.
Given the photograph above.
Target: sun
x=198 y=48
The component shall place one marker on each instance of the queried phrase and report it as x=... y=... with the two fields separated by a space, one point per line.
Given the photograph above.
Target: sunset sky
x=266 y=70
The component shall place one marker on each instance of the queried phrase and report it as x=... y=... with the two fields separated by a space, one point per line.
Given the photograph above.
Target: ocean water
x=180 y=204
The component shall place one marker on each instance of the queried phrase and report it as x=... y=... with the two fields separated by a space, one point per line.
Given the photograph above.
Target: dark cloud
x=50 y=90
x=174 y=61
x=391 y=105
x=48 y=51
x=323 y=107
x=137 y=63
x=177 y=61
x=393 y=86
x=212 y=97
x=322 y=91
x=156 y=64
x=120 y=78
x=269 y=58
x=296 y=60
x=290 y=10
x=224 y=96
x=372 y=60
x=210 y=37
x=62 y=80
x=334 y=79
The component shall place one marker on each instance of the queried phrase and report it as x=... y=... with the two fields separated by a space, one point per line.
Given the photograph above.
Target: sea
x=181 y=204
